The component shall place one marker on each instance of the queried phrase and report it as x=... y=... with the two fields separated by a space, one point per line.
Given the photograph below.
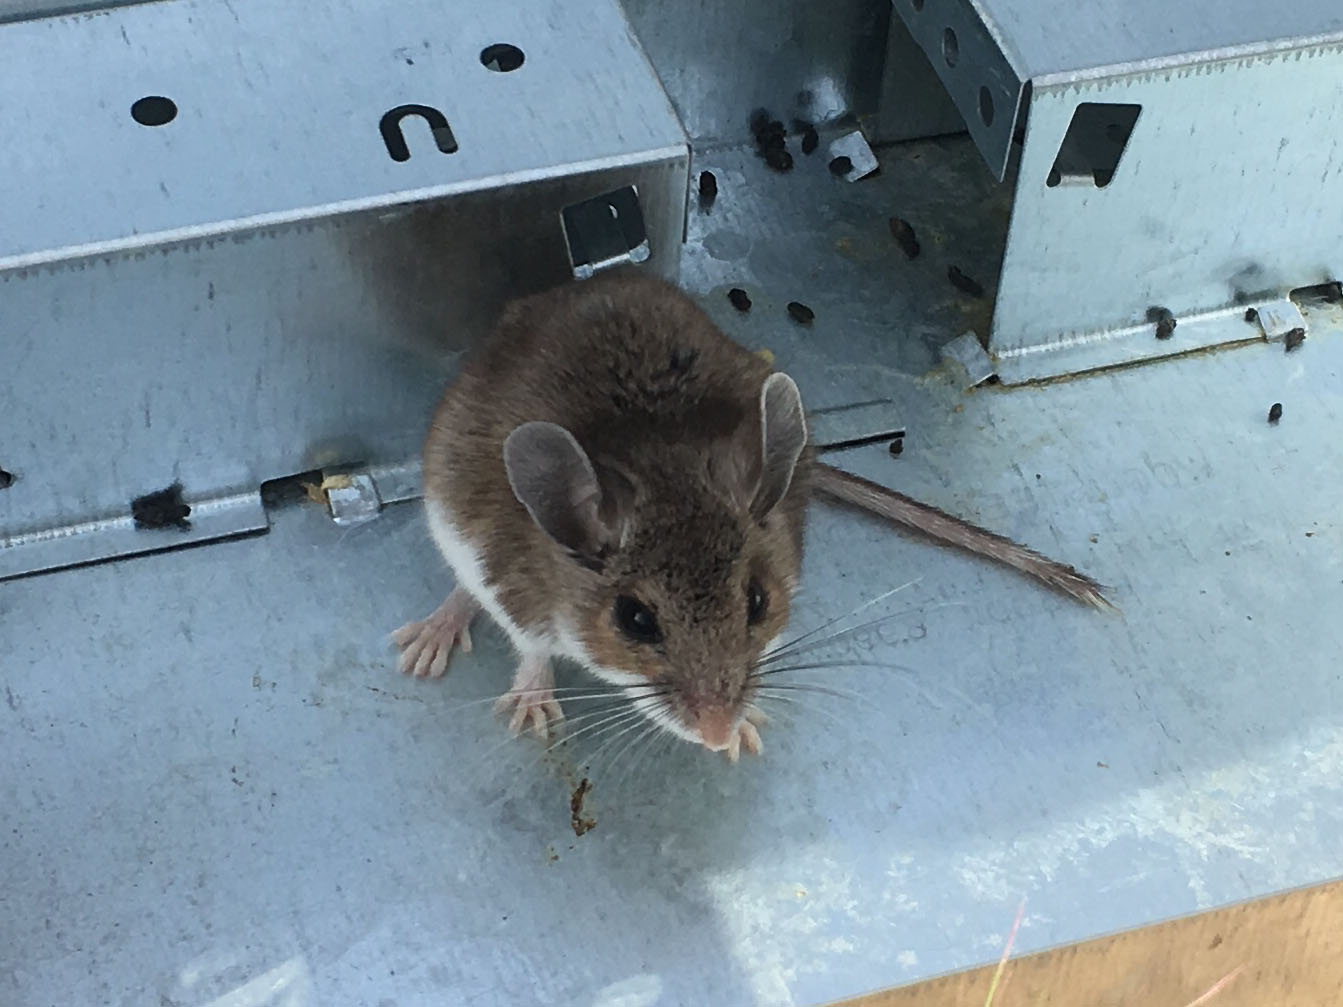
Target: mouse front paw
x=427 y=645
x=747 y=736
x=531 y=700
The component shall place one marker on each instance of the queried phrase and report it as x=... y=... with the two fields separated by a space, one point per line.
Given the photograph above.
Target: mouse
x=613 y=480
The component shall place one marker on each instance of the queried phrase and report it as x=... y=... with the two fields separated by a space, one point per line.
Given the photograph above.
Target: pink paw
x=427 y=645
x=532 y=698
x=747 y=736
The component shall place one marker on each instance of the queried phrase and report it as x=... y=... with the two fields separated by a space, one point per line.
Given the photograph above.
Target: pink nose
x=715 y=729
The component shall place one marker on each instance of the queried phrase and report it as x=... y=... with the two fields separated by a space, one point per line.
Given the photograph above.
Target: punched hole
x=986 y=106
x=501 y=57
x=951 y=47
x=154 y=110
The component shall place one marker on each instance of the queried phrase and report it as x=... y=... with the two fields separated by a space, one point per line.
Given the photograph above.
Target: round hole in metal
x=154 y=110
x=502 y=57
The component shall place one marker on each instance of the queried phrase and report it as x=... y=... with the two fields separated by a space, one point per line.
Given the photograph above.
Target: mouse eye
x=757 y=602
x=636 y=620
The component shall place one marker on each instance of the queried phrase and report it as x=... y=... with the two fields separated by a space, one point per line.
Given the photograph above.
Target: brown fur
x=651 y=389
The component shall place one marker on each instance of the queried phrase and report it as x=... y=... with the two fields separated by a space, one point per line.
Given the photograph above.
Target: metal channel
x=1216 y=204
x=986 y=52
x=980 y=71
x=257 y=287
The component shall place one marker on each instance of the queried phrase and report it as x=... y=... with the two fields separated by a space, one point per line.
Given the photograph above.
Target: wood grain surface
x=1282 y=951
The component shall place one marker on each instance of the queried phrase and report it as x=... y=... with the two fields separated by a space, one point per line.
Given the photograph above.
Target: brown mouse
x=616 y=481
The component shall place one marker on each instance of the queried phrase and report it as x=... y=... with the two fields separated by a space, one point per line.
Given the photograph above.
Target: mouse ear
x=552 y=476
x=783 y=435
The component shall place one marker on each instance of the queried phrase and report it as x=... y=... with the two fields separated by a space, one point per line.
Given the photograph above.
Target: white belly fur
x=556 y=640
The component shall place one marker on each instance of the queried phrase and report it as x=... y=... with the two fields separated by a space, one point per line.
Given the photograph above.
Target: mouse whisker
x=840 y=618
x=630 y=750
x=774 y=688
x=649 y=742
x=627 y=729
x=789 y=650
x=793 y=706
x=783 y=653
x=566 y=694
x=762 y=673
x=613 y=718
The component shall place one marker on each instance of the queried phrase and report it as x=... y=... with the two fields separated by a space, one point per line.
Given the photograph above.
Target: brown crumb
x=1275 y=412
x=1102 y=765
x=708 y=188
x=903 y=233
x=965 y=284
x=576 y=820
x=1294 y=339
x=800 y=313
x=1094 y=539
x=1216 y=941
x=897 y=447
x=1251 y=315
x=739 y=299
x=1165 y=322
x=779 y=159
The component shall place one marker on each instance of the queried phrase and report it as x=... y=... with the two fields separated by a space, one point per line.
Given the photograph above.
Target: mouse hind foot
x=531 y=698
x=427 y=645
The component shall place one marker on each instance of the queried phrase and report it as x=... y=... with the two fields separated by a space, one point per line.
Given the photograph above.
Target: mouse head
x=684 y=564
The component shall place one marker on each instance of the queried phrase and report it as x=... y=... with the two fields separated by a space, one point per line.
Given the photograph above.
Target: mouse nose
x=715 y=728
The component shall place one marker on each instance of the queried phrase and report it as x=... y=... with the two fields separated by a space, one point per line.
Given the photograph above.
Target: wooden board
x=1281 y=951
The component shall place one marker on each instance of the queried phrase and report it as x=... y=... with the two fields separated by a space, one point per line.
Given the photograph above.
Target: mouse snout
x=716 y=726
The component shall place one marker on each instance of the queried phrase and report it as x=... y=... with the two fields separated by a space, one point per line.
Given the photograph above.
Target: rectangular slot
x=1094 y=143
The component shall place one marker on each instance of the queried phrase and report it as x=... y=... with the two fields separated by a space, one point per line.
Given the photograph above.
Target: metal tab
x=1277 y=318
x=855 y=147
x=967 y=353
x=352 y=498
x=605 y=231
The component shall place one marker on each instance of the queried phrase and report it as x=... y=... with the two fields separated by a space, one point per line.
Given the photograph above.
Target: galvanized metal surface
x=720 y=61
x=272 y=292
x=1049 y=37
x=255 y=144
x=987 y=51
x=1218 y=149
x=218 y=790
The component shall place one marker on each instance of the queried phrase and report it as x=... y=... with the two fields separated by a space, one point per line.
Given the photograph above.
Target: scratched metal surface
x=218 y=791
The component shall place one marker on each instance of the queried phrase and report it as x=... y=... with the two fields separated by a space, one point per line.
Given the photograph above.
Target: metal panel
x=255 y=143
x=272 y=292
x=218 y=790
x=1215 y=205
x=1059 y=37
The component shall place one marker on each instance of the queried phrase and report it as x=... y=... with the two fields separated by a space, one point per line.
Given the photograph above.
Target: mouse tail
x=874 y=498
